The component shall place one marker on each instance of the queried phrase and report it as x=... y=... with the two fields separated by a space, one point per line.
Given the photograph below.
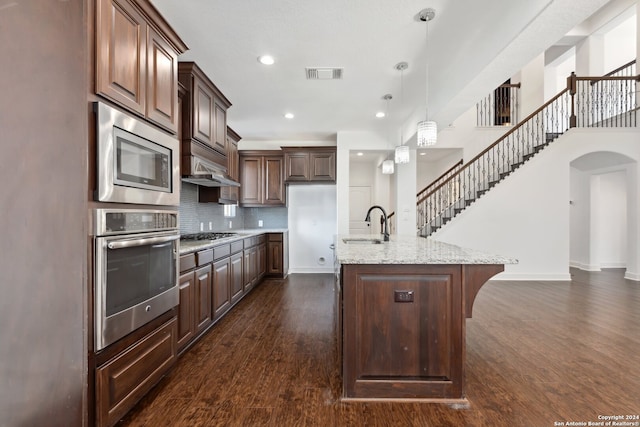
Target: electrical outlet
x=259 y=223
x=230 y=224
x=202 y=226
x=210 y=226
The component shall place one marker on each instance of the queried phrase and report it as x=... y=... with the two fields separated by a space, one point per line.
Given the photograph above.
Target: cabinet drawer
x=221 y=251
x=187 y=262
x=250 y=242
x=126 y=378
x=261 y=238
x=237 y=246
x=275 y=237
x=204 y=257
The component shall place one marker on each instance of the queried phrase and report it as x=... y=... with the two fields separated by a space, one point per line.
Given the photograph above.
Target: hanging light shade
x=427 y=133
x=402 y=154
x=427 y=129
x=387 y=167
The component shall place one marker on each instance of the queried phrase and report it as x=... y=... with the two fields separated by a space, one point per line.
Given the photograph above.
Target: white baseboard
x=585 y=267
x=310 y=270
x=531 y=277
x=632 y=276
x=614 y=265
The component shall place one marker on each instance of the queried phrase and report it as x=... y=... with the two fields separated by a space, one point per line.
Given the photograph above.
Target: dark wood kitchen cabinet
x=277 y=255
x=225 y=195
x=186 y=315
x=204 y=111
x=235 y=276
x=307 y=165
x=261 y=178
x=124 y=379
x=137 y=60
x=202 y=304
x=221 y=287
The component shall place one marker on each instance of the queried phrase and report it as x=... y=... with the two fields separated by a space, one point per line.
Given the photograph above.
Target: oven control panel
x=120 y=221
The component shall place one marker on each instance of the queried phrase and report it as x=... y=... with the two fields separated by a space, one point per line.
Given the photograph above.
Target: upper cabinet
x=306 y=165
x=206 y=109
x=137 y=60
x=261 y=178
x=225 y=195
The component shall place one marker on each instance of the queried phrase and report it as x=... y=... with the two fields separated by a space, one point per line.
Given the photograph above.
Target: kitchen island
x=400 y=314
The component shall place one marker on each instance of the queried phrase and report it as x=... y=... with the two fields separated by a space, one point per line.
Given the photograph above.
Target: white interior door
x=359 y=203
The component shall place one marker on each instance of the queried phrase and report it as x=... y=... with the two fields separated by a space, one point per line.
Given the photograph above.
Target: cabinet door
x=236 y=276
x=251 y=192
x=274 y=258
x=162 y=82
x=220 y=128
x=323 y=166
x=221 y=287
x=203 y=297
x=121 y=36
x=274 y=181
x=296 y=166
x=262 y=260
x=186 y=318
x=203 y=112
x=250 y=268
x=423 y=311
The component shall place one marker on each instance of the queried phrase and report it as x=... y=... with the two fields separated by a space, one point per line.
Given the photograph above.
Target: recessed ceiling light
x=266 y=60
x=380 y=114
x=289 y=116
x=423 y=153
x=360 y=153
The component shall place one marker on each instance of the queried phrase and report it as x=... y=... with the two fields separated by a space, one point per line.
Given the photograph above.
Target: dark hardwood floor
x=538 y=354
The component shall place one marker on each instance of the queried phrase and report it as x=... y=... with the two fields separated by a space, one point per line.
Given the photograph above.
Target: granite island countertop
x=410 y=250
x=186 y=247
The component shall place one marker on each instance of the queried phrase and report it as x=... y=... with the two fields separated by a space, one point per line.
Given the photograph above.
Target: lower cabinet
x=186 y=316
x=213 y=280
x=123 y=380
x=203 y=298
x=277 y=255
x=235 y=276
x=221 y=287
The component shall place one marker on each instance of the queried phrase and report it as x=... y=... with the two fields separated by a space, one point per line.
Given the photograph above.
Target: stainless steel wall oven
x=135 y=269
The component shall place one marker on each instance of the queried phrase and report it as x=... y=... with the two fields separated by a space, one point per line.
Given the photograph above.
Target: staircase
x=608 y=101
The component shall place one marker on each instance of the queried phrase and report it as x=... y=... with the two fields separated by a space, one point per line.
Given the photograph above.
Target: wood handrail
x=514 y=129
x=441 y=176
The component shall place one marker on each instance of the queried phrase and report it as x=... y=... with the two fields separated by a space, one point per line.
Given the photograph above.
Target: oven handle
x=140 y=242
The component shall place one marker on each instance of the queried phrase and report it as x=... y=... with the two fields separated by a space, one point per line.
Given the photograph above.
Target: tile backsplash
x=193 y=213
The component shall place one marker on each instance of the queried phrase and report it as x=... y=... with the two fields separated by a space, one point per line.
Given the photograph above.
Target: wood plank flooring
x=538 y=354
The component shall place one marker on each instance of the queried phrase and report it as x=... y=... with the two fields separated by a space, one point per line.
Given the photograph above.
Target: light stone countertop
x=411 y=250
x=198 y=245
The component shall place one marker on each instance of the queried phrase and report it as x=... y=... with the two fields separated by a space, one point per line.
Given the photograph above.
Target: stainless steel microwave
x=136 y=163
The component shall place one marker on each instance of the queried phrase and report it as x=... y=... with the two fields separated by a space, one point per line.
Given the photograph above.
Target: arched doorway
x=601 y=201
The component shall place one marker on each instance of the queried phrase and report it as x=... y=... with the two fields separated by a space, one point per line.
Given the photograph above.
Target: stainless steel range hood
x=208 y=174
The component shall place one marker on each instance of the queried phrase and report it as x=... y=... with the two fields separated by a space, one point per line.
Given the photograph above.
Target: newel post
x=571 y=85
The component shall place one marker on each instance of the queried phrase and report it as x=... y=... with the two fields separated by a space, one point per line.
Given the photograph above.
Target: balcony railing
x=586 y=102
x=499 y=108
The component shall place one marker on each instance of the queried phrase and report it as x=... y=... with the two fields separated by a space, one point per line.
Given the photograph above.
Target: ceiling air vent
x=324 y=73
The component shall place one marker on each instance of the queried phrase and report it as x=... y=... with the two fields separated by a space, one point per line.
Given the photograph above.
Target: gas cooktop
x=206 y=236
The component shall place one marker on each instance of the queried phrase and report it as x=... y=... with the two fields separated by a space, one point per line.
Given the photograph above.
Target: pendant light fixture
x=388 y=166
x=402 y=151
x=427 y=129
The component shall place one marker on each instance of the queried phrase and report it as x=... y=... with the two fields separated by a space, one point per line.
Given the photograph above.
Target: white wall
x=609 y=207
x=429 y=171
x=527 y=215
x=531 y=78
x=312 y=225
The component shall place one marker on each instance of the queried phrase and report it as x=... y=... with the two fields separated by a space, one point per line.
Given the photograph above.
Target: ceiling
x=473 y=47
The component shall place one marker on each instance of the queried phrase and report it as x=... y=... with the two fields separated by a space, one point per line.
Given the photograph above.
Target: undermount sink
x=362 y=240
